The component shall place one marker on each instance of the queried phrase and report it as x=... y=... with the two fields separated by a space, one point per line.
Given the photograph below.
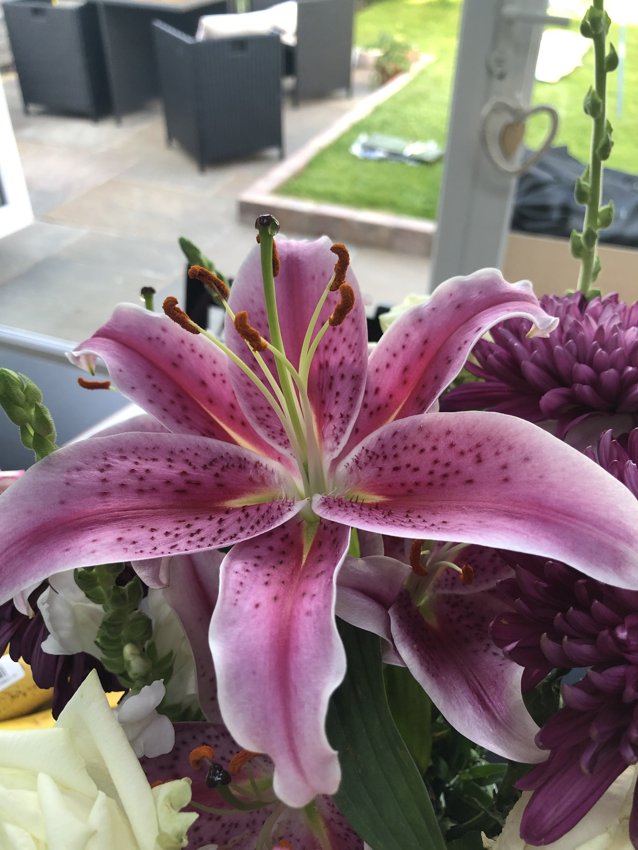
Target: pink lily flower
x=232 y=792
x=280 y=452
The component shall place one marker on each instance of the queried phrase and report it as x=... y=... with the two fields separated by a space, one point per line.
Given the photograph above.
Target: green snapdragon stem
x=588 y=260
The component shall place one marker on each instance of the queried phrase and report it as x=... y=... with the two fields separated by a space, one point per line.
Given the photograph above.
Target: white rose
x=79 y=786
x=604 y=827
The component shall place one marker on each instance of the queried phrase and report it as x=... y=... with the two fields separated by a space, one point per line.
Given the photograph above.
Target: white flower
x=79 y=785
x=604 y=827
x=71 y=618
x=149 y=733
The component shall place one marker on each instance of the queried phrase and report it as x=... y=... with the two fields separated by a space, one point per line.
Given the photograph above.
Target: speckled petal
x=277 y=653
x=134 y=496
x=180 y=378
x=426 y=348
x=453 y=658
x=489 y=479
x=233 y=828
x=337 y=375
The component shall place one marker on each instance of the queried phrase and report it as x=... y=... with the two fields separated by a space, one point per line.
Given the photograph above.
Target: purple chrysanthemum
x=64 y=673
x=585 y=373
x=561 y=619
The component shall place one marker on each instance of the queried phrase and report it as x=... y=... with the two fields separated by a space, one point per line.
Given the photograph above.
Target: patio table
x=128 y=43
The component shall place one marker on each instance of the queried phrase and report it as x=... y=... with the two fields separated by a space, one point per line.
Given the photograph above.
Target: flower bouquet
x=348 y=598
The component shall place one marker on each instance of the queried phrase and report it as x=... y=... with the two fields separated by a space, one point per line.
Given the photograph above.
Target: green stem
x=267 y=227
x=588 y=260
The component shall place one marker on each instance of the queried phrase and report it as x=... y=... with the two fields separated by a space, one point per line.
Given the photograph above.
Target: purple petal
x=134 y=496
x=240 y=829
x=338 y=369
x=277 y=653
x=366 y=589
x=489 y=479
x=453 y=658
x=427 y=347
x=564 y=795
x=180 y=378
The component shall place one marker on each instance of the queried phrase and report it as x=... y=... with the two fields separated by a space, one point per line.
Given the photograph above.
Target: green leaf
x=470 y=841
x=381 y=793
x=411 y=709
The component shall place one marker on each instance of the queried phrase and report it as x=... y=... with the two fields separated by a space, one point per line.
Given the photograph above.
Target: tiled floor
x=110 y=202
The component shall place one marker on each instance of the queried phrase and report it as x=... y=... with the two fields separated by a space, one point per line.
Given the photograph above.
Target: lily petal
x=134 y=496
x=453 y=658
x=366 y=589
x=490 y=479
x=193 y=584
x=278 y=655
x=426 y=348
x=235 y=828
x=180 y=378
x=337 y=374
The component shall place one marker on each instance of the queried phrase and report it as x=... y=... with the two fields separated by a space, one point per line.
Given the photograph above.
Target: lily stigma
x=280 y=440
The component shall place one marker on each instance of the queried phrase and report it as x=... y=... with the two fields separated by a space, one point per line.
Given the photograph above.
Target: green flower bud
x=593 y=104
x=606 y=215
x=611 y=60
x=576 y=244
x=582 y=190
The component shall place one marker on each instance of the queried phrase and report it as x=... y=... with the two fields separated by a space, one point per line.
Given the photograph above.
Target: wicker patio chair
x=322 y=59
x=222 y=96
x=58 y=56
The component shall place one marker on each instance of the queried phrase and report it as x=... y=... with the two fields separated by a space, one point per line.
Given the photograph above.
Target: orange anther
x=415 y=558
x=210 y=281
x=275 y=259
x=344 y=306
x=239 y=760
x=94 y=385
x=283 y=844
x=174 y=312
x=246 y=331
x=196 y=756
x=467 y=574
x=341 y=266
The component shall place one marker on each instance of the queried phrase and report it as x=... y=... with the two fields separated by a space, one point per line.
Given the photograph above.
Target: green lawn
x=420 y=111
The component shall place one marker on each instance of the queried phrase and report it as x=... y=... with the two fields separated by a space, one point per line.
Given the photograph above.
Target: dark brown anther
x=275 y=260
x=178 y=315
x=467 y=574
x=344 y=306
x=210 y=281
x=217 y=775
x=341 y=266
x=246 y=331
x=94 y=385
x=415 y=558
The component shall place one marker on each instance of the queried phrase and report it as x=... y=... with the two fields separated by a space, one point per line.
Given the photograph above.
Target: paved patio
x=111 y=200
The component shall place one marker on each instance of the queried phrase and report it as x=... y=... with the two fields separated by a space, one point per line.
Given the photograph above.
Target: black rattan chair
x=321 y=62
x=222 y=97
x=58 y=56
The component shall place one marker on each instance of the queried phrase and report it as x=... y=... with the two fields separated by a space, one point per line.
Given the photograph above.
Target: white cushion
x=280 y=19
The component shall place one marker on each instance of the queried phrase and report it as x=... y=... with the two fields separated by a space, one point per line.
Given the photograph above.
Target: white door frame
x=15 y=212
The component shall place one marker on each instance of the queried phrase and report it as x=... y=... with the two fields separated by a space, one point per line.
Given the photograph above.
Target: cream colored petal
x=14 y=838
x=33 y=750
x=110 y=760
x=65 y=827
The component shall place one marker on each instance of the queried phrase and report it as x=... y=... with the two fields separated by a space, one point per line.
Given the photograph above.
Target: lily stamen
x=203 y=754
x=213 y=284
x=341 y=266
x=94 y=385
x=344 y=306
x=416 y=550
x=247 y=332
x=240 y=759
x=174 y=312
